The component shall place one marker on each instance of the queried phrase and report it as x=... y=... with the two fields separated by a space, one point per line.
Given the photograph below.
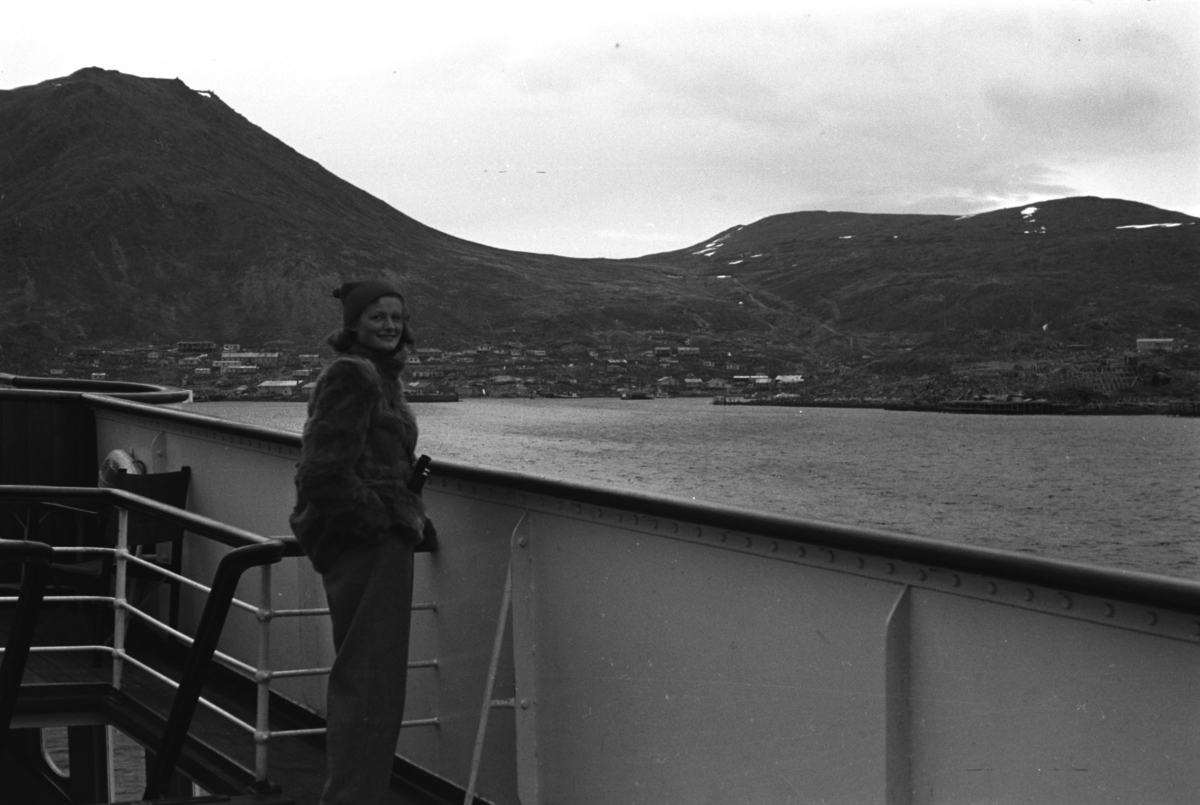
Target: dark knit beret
x=356 y=296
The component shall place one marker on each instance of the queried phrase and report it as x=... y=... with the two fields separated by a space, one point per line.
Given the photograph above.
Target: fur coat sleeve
x=356 y=462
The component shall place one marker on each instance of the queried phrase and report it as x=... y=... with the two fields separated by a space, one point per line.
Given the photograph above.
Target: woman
x=358 y=522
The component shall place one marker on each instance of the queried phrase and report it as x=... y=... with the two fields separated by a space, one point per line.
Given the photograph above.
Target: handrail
x=36 y=557
x=18 y=550
x=249 y=550
x=229 y=571
x=138 y=408
x=1069 y=576
x=198 y=524
x=67 y=387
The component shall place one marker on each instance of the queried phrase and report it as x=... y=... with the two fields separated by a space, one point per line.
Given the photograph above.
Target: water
x=128 y=778
x=1117 y=491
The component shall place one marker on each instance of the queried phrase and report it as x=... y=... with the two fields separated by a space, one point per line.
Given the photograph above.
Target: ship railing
x=263 y=674
x=34 y=558
x=249 y=550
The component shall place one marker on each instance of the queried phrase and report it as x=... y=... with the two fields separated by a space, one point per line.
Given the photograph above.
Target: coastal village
x=279 y=371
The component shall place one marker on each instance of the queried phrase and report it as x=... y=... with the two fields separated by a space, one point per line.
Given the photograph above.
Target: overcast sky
x=649 y=126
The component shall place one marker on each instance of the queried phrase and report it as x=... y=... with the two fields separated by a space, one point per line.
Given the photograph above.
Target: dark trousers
x=370 y=601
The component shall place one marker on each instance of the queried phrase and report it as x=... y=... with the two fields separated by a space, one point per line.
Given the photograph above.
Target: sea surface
x=1117 y=491
x=128 y=777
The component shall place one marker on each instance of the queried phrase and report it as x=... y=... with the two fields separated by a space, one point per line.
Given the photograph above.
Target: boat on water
x=431 y=396
x=785 y=400
x=574 y=644
x=992 y=405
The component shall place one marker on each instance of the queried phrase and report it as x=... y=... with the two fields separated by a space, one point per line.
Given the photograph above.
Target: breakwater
x=1009 y=407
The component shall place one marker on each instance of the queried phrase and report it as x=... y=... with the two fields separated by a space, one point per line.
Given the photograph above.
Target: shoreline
x=1023 y=407
x=985 y=407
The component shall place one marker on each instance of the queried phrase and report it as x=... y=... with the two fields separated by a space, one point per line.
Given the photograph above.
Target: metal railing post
x=262 y=731
x=119 y=614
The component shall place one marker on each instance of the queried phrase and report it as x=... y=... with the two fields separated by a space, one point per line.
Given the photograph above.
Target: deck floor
x=297 y=764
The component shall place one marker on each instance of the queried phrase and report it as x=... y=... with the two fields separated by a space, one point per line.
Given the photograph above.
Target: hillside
x=1086 y=270
x=139 y=210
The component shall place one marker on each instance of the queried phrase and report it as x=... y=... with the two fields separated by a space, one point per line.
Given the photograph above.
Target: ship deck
x=297 y=764
x=642 y=648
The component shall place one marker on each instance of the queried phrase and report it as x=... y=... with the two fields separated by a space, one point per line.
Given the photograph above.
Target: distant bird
x=1045 y=327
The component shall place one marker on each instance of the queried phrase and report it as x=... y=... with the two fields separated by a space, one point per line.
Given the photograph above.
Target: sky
x=642 y=127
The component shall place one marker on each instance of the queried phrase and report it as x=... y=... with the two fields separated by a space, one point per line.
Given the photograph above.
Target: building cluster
x=518 y=370
x=508 y=370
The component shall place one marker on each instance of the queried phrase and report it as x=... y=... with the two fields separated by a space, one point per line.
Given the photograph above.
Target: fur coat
x=356 y=460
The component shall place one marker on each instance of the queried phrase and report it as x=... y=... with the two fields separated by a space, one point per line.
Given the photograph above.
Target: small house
x=277 y=388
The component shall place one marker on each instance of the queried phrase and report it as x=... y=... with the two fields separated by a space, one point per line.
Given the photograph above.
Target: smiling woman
x=381 y=323
x=358 y=520
x=379 y=301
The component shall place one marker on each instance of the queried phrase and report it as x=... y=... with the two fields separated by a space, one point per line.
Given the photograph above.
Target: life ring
x=116 y=461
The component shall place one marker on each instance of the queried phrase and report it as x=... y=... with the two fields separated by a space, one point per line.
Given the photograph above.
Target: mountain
x=141 y=209
x=136 y=210
x=1068 y=268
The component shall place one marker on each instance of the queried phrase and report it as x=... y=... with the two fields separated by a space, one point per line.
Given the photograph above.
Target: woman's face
x=380 y=324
